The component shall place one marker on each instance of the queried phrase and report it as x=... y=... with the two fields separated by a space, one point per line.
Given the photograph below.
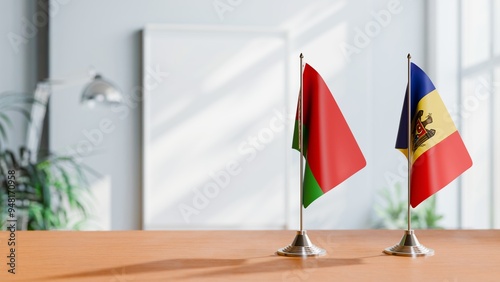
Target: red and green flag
x=438 y=154
x=331 y=152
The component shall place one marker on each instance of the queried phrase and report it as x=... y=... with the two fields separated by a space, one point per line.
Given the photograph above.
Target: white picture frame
x=216 y=127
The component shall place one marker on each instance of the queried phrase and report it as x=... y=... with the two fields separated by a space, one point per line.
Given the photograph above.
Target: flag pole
x=301 y=245
x=410 y=150
x=301 y=141
x=409 y=246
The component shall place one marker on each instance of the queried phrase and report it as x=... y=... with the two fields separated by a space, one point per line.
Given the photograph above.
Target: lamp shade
x=101 y=90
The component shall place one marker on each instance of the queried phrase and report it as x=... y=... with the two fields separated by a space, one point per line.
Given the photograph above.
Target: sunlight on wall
x=218 y=130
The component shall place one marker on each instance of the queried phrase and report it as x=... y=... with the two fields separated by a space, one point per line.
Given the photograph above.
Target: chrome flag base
x=409 y=247
x=301 y=247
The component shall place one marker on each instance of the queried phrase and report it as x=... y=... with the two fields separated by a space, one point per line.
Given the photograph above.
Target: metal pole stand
x=409 y=247
x=301 y=247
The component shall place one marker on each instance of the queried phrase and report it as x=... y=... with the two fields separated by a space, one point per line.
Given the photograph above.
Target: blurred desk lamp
x=96 y=90
x=102 y=91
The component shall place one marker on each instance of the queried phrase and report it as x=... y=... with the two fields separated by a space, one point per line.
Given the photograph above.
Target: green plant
x=392 y=212
x=51 y=192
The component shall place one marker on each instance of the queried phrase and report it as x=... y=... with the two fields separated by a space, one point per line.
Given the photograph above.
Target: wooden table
x=461 y=255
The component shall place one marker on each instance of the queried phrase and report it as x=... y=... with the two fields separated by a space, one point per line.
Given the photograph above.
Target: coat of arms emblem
x=420 y=134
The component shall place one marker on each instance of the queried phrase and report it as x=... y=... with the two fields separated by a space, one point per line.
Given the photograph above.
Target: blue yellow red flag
x=438 y=154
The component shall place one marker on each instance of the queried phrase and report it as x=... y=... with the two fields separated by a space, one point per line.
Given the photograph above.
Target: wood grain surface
x=353 y=255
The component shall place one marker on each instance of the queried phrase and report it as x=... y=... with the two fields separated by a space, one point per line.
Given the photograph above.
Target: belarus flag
x=330 y=149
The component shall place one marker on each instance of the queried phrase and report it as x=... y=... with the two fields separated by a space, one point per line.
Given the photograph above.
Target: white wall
x=368 y=86
x=17 y=57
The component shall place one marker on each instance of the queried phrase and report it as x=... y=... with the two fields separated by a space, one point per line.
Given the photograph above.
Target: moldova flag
x=438 y=154
x=330 y=149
